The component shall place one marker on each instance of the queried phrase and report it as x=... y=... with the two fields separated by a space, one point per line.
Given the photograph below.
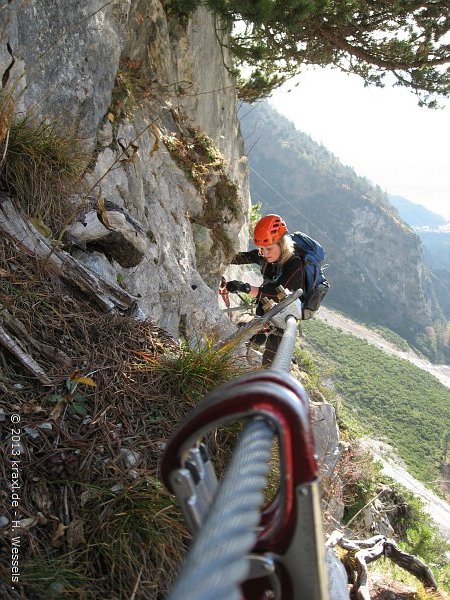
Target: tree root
x=367 y=551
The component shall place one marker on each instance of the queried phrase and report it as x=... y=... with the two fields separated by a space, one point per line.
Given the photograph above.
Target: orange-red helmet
x=269 y=230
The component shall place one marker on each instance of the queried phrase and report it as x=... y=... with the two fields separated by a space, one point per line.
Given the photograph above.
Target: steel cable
x=283 y=357
x=217 y=563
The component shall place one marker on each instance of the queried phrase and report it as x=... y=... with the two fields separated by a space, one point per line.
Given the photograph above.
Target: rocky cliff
x=129 y=77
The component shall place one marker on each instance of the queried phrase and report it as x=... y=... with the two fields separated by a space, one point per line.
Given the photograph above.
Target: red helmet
x=269 y=230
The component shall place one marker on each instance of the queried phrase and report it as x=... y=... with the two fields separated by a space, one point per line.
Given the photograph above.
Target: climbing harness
x=242 y=550
x=276 y=314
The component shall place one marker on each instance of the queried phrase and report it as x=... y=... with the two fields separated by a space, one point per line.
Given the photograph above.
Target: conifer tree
x=274 y=39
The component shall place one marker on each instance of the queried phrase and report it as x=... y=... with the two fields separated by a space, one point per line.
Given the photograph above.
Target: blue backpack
x=316 y=284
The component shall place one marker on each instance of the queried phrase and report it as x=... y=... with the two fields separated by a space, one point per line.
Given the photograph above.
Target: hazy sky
x=381 y=132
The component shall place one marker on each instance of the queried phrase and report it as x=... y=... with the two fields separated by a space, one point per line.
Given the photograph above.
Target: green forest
x=388 y=397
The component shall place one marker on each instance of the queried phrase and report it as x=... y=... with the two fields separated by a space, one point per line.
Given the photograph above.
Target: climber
x=279 y=266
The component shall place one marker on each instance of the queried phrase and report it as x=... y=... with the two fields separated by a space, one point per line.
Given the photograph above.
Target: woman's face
x=271 y=253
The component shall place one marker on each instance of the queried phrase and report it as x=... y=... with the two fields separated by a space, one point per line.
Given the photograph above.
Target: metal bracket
x=195 y=485
x=304 y=558
x=293 y=310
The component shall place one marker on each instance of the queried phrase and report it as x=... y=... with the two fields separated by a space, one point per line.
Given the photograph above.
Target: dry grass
x=192 y=370
x=98 y=522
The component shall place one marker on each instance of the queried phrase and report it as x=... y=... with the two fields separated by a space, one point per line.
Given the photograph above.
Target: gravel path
x=441 y=372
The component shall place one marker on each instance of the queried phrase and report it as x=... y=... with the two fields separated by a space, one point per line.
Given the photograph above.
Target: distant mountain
x=415 y=214
x=434 y=233
x=377 y=270
x=433 y=230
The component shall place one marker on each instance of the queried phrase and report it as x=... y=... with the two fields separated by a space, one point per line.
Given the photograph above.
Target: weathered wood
x=411 y=564
x=367 y=551
x=18 y=329
x=106 y=294
x=360 y=544
x=363 y=557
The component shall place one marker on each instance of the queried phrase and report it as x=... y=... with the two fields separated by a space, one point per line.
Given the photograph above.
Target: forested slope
x=389 y=398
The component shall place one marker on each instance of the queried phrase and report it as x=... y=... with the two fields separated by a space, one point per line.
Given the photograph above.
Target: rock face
x=111 y=231
x=126 y=76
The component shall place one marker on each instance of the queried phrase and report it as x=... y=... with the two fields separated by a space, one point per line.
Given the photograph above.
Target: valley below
x=441 y=372
x=392 y=465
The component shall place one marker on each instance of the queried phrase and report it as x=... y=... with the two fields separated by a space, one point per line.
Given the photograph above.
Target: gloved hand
x=238 y=286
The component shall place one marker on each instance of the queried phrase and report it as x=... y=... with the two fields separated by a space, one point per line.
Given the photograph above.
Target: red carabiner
x=291 y=523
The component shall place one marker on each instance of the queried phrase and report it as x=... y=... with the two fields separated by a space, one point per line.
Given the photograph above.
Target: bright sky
x=381 y=132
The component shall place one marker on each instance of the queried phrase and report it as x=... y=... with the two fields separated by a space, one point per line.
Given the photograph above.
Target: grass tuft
x=42 y=166
x=135 y=536
x=58 y=577
x=192 y=372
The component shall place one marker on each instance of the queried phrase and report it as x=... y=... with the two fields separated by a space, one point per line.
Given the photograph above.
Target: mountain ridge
x=368 y=244
x=416 y=215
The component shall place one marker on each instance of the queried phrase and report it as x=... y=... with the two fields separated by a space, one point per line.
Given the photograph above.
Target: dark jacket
x=289 y=274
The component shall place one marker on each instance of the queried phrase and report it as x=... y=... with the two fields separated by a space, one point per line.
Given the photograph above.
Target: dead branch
x=18 y=329
x=13 y=345
x=411 y=564
x=105 y=294
x=363 y=557
x=367 y=551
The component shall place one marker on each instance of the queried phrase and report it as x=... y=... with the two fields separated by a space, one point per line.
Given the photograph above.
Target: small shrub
x=416 y=535
x=132 y=88
x=360 y=477
x=226 y=193
x=306 y=362
x=196 y=155
x=422 y=536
